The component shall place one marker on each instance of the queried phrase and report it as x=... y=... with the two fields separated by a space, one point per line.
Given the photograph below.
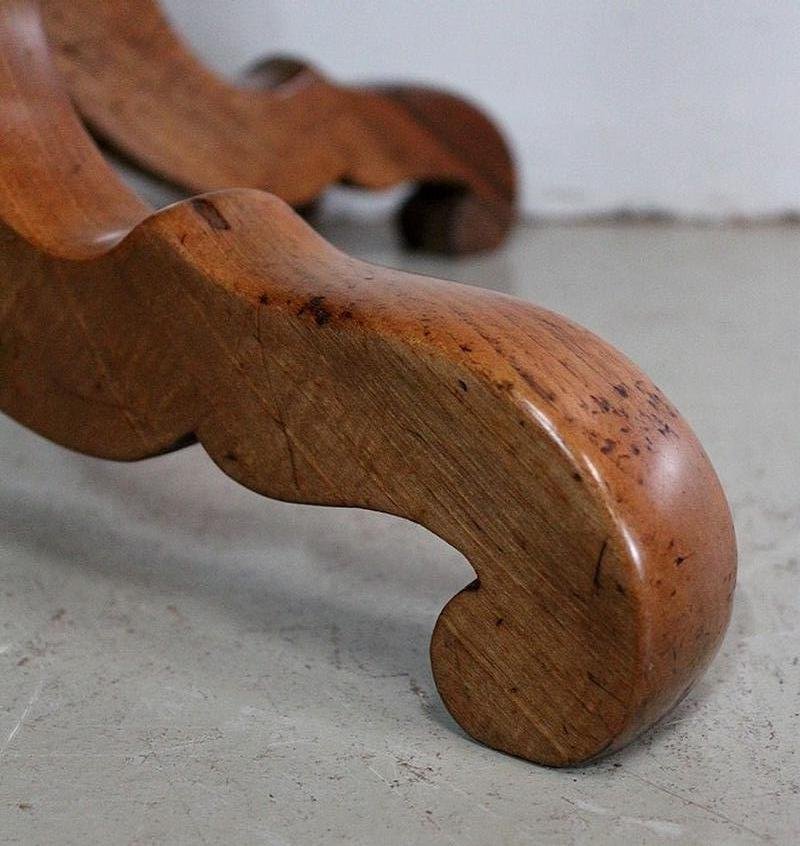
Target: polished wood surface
x=287 y=130
x=601 y=539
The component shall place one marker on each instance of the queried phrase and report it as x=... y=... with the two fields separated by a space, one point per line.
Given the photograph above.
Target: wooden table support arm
x=601 y=540
x=287 y=130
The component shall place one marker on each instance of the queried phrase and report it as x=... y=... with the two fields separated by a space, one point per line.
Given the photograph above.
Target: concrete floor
x=184 y=662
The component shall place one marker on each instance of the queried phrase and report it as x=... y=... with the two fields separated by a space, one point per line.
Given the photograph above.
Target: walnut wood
x=288 y=131
x=601 y=539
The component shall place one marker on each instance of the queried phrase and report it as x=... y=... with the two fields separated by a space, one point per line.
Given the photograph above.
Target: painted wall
x=688 y=107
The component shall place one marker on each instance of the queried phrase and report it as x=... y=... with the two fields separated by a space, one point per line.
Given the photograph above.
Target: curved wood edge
x=601 y=539
x=288 y=131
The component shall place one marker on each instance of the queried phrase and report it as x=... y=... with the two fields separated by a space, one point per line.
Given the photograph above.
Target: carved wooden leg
x=288 y=130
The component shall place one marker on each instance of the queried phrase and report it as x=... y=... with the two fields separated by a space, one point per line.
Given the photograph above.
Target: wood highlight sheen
x=601 y=540
x=286 y=130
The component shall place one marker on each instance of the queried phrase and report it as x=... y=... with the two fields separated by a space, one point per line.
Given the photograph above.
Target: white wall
x=685 y=106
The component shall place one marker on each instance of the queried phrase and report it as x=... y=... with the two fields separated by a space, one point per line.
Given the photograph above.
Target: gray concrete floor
x=184 y=662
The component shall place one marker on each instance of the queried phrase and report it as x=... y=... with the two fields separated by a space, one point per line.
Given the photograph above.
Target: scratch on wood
x=599 y=565
x=279 y=415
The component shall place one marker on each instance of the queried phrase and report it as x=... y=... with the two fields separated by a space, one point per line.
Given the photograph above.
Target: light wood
x=602 y=542
x=288 y=130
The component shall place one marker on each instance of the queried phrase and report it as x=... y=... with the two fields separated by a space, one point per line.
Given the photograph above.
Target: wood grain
x=287 y=130
x=602 y=543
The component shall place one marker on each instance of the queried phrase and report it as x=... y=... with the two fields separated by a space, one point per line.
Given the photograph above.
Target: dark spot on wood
x=498 y=621
x=603 y=403
x=577 y=476
x=620 y=589
x=513 y=690
x=465 y=348
x=680 y=559
x=264 y=299
x=621 y=390
x=635 y=449
x=316 y=307
x=463 y=385
x=347 y=315
x=210 y=213
x=231 y=456
x=608 y=446
x=598 y=565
